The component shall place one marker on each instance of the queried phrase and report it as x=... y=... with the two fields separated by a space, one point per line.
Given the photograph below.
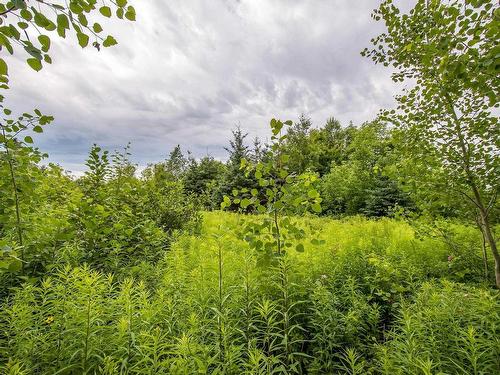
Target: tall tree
x=449 y=52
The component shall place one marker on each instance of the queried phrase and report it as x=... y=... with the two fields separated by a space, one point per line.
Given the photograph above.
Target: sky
x=187 y=72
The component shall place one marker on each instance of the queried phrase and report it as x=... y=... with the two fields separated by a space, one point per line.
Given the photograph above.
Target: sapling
x=280 y=193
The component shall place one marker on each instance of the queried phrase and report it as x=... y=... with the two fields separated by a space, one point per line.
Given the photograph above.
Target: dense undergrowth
x=377 y=296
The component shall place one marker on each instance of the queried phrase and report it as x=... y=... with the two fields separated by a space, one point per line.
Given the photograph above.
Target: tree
x=235 y=177
x=298 y=146
x=279 y=192
x=176 y=163
x=22 y=24
x=362 y=181
x=333 y=141
x=98 y=170
x=202 y=178
x=449 y=51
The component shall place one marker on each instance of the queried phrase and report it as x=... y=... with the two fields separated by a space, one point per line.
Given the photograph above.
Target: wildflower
x=49 y=320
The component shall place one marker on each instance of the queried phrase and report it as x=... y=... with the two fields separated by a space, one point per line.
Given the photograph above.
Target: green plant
x=278 y=192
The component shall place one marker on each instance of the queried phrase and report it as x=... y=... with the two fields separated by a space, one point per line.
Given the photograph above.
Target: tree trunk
x=478 y=200
x=485 y=226
x=486 y=229
x=485 y=257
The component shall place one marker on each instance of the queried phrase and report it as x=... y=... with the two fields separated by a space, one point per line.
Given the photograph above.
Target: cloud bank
x=187 y=72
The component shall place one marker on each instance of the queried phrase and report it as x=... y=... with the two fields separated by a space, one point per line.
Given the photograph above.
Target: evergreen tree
x=234 y=176
x=176 y=163
x=298 y=146
x=202 y=177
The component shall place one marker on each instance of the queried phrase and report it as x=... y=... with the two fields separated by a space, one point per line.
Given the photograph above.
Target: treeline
x=361 y=170
x=109 y=219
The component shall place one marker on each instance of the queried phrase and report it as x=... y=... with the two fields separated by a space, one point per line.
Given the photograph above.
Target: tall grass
x=373 y=298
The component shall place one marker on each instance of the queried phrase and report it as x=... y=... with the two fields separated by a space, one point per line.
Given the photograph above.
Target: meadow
x=353 y=247
x=374 y=296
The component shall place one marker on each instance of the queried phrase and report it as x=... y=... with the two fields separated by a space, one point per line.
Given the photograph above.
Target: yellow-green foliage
x=367 y=300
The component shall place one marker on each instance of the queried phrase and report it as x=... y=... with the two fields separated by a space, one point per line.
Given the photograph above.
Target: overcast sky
x=187 y=71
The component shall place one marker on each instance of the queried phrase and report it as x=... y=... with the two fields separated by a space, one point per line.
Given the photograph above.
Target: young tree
x=298 y=145
x=278 y=193
x=26 y=25
x=448 y=51
x=235 y=177
x=202 y=175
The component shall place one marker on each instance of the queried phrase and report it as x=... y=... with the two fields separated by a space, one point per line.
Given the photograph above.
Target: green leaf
x=130 y=14
x=45 y=42
x=51 y=26
x=62 y=25
x=97 y=28
x=83 y=39
x=121 y=3
x=316 y=207
x=38 y=129
x=82 y=19
x=41 y=20
x=312 y=193
x=35 y=64
x=26 y=14
x=109 y=41
x=28 y=139
x=4 y=70
x=15 y=266
x=300 y=248
x=105 y=11
x=245 y=203
x=75 y=7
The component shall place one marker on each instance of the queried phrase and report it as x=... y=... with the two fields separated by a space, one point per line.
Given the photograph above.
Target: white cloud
x=187 y=72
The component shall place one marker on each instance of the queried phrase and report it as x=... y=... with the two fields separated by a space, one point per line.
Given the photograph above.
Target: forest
x=333 y=248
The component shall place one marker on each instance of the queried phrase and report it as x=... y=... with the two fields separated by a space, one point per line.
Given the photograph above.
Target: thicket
x=372 y=298
x=109 y=219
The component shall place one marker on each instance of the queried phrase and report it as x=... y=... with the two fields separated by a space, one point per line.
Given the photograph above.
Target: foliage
x=361 y=302
x=202 y=178
x=448 y=50
x=463 y=317
x=234 y=176
x=22 y=24
x=280 y=192
x=121 y=220
x=364 y=183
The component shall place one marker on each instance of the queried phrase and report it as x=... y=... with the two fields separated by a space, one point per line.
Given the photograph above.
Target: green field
x=256 y=198
x=375 y=297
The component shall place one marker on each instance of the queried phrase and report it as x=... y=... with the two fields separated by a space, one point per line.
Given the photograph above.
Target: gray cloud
x=187 y=72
